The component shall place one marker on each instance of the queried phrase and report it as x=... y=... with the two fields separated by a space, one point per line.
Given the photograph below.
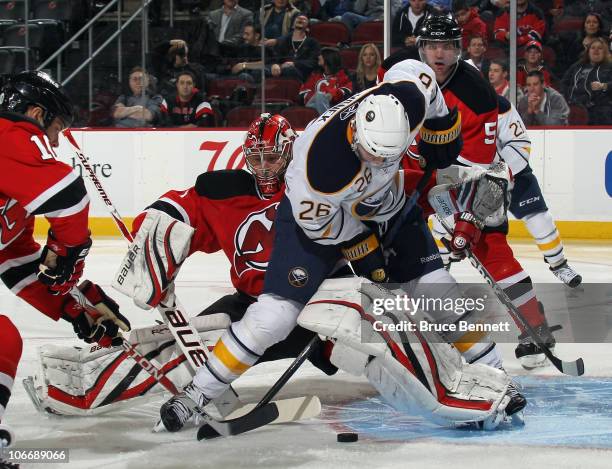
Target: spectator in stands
x=140 y=108
x=407 y=22
x=187 y=106
x=278 y=18
x=475 y=54
x=296 y=54
x=362 y=11
x=248 y=64
x=576 y=43
x=228 y=23
x=589 y=83
x=530 y=24
x=491 y=9
x=204 y=48
x=332 y=10
x=368 y=63
x=470 y=22
x=542 y=105
x=169 y=59
x=532 y=61
x=498 y=77
x=328 y=85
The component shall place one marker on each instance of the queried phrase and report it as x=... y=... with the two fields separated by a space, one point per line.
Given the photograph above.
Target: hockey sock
x=497 y=257
x=229 y=359
x=542 y=227
x=11 y=347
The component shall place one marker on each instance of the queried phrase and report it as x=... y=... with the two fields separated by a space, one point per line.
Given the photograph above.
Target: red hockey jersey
x=33 y=182
x=228 y=214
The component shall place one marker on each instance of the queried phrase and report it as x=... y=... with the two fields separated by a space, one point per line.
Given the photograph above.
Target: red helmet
x=267 y=151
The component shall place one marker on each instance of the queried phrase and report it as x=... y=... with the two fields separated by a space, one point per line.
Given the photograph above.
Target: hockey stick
x=263 y=412
x=183 y=332
x=574 y=368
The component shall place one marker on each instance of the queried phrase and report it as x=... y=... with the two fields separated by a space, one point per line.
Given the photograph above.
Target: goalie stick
x=573 y=368
x=171 y=311
x=264 y=412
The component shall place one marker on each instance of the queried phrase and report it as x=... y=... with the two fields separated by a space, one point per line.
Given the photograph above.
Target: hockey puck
x=347 y=437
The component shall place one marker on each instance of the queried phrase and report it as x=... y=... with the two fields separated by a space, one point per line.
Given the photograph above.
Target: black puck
x=347 y=437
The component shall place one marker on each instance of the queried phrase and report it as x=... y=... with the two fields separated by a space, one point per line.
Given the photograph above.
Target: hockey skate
x=514 y=402
x=180 y=408
x=567 y=275
x=529 y=354
x=7 y=438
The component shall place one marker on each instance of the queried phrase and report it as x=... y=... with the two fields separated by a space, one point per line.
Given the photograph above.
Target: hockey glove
x=441 y=140
x=465 y=236
x=100 y=324
x=365 y=254
x=61 y=266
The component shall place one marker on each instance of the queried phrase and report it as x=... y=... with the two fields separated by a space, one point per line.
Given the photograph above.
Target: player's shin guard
x=11 y=347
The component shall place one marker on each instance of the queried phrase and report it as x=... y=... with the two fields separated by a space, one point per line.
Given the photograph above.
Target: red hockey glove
x=365 y=254
x=62 y=266
x=100 y=324
x=465 y=236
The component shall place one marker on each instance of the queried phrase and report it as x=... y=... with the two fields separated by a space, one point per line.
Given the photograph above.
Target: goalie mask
x=267 y=151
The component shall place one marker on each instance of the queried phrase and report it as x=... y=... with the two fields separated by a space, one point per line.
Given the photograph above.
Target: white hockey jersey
x=330 y=189
x=513 y=143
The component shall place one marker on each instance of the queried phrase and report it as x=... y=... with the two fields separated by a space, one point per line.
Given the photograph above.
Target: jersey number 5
x=46 y=150
x=490 y=131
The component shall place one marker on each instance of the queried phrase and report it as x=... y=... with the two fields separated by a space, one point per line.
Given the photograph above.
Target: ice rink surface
x=568 y=420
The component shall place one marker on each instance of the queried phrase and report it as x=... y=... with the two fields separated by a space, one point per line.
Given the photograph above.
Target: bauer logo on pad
x=609 y=174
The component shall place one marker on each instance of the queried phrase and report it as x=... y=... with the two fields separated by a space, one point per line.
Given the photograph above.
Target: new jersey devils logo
x=13 y=219
x=253 y=240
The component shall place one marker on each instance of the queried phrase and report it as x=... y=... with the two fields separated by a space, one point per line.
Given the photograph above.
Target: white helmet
x=381 y=127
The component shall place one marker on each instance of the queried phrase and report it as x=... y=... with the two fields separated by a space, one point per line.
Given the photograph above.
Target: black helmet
x=439 y=28
x=36 y=89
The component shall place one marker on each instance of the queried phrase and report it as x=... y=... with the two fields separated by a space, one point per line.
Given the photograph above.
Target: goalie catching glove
x=102 y=322
x=61 y=266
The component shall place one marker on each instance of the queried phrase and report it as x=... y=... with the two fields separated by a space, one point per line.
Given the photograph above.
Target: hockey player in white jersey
x=344 y=188
x=527 y=202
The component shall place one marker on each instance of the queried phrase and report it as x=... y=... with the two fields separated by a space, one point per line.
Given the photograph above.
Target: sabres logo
x=298 y=277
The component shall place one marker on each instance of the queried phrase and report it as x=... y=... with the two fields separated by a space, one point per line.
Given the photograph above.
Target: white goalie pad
x=413 y=369
x=153 y=259
x=94 y=380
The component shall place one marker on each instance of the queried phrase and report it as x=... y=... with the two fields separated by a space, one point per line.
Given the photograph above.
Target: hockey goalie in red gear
x=439 y=44
x=33 y=111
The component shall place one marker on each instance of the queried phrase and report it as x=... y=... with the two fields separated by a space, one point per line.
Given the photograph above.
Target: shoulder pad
x=472 y=89
x=504 y=104
x=331 y=165
x=225 y=183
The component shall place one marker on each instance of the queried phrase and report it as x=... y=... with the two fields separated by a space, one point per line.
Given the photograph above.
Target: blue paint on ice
x=561 y=411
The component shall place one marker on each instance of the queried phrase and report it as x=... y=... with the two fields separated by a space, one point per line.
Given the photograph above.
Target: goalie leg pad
x=153 y=259
x=415 y=371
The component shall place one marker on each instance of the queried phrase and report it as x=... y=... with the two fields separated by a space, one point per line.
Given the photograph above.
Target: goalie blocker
x=416 y=372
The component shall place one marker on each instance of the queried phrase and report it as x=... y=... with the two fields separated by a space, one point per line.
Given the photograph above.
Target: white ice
x=124 y=439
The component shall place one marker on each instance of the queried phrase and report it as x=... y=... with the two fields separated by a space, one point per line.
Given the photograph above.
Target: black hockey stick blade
x=258 y=417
